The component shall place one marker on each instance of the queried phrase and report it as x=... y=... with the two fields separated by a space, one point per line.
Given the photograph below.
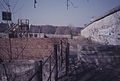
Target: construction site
x=61 y=53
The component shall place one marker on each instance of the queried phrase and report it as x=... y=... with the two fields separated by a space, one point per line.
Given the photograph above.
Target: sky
x=54 y=12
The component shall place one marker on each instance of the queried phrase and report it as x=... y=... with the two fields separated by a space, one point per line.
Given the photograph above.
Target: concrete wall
x=106 y=29
x=18 y=70
x=4 y=35
x=101 y=55
x=31 y=48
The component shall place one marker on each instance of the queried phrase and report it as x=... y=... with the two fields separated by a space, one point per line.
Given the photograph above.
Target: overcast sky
x=54 y=12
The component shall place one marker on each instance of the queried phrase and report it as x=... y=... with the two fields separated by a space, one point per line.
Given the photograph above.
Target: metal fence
x=55 y=66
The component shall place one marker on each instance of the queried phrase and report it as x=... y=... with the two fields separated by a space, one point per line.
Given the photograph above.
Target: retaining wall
x=20 y=59
x=31 y=48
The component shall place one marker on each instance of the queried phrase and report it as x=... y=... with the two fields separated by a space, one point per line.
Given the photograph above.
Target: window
x=31 y=35
x=35 y=35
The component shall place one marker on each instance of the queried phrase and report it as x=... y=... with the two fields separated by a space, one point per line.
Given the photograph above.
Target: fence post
x=67 y=59
x=61 y=53
x=50 y=68
x=56 y=63
x=40 y=78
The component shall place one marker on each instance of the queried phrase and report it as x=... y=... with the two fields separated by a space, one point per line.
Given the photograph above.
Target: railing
x=11 y=28
x=55 y=66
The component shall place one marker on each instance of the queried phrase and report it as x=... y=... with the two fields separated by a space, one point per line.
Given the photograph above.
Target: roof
x=114 y=10
x=60 y=30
